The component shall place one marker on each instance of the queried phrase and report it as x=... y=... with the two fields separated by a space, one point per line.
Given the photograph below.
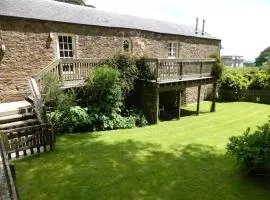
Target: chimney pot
x=203 y=27
x=196 y=29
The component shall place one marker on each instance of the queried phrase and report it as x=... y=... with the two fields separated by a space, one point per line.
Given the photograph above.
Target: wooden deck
x=73 y=72
x=166 y=75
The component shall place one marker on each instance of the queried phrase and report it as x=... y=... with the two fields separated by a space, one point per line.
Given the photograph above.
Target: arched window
x=126 y=46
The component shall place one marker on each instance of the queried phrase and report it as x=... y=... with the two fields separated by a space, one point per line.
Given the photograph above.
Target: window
x=172 y=49
x=65 y=46
x=126 y=46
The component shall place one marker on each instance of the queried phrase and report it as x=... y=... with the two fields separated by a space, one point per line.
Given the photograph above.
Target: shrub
x=260 y=81
x=252 y=150
x=218 y=67
x=231 y=85
x=110 y=121
x=75 y=119
x=144 y=72
x=105 y=93
x=126 y=65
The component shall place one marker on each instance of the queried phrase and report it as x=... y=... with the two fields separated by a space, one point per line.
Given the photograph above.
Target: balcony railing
x=175 y=69
x=74 y=71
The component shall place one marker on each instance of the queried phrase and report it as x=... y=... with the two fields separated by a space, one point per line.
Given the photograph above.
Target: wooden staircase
x=23 y=126
x=17 y=114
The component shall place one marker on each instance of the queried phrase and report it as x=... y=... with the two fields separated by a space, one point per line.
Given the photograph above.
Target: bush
x=144 y=72
x=73 y=120
x=218 y=67
x=252 y=150
x=260 y=81
x=105 y=93
x=126 y=65
x=231 y=85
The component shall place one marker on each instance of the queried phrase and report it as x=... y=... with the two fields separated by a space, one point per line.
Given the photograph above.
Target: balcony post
x=157 y=66
x=214 y=96
x=198 y=100
x=178 y=93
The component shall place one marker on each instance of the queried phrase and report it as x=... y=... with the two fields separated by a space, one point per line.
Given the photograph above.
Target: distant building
x=233 y=60
x=249 y=63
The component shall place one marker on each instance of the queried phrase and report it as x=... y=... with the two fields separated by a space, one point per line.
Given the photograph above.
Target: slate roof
x=50 y=10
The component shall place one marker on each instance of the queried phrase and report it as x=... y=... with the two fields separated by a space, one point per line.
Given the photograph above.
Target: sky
x=242 y=25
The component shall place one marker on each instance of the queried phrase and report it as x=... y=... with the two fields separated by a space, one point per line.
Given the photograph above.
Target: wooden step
x=16 y=117
x=17 y=124
x=12 y=108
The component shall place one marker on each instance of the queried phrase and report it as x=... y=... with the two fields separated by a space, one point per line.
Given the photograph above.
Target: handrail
x=72 y=72
x=10 y=181
x=47 y=69
x=38 y=103
x=163 y=69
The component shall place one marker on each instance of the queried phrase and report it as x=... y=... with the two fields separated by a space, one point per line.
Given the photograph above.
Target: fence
x=7 y=186
x=27 y=140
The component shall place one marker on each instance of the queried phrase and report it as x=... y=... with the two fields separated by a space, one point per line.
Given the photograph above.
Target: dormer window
x=126 y=46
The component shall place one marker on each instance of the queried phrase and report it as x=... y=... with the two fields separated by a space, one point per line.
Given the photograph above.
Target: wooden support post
x=157 y=73
x=198 y=99
x=213 y=105
x=156 y=110
x=178 y=103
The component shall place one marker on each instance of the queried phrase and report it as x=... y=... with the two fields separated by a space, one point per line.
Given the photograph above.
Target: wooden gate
x=27 y=140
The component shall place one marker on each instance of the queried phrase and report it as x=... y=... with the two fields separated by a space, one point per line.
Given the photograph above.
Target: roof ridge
x=50 y=10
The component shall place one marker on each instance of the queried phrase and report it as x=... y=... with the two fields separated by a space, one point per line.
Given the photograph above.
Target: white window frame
x=170 y=46
x=71 y=69
x=73 y=45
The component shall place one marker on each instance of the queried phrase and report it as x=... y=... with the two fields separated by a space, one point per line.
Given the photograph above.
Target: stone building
x=34 y=33
x=233 y=60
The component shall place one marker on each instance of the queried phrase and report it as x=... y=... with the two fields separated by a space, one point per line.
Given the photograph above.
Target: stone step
x=16 y=117
x=12 y=108
x=18 y=124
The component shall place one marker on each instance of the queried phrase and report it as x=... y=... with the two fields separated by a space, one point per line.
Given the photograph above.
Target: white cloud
x=242 y=25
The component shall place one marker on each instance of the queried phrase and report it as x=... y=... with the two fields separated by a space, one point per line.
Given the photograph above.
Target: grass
x=184 y=159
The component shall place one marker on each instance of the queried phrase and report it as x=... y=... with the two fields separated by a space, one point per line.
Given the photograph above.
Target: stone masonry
x=30 y=49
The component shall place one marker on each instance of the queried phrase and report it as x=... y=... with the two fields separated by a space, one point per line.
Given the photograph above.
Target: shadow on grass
x=82 y=167
x=171 y=114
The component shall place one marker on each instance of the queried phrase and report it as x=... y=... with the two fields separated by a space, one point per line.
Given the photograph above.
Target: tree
x=76 y=2
x=263 y=57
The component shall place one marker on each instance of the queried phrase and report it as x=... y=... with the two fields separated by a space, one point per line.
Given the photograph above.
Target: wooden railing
x=27 y=140
x=7 y=185
x=75 y=71
x=72 y=71
x=39 y=106
x=175 y=69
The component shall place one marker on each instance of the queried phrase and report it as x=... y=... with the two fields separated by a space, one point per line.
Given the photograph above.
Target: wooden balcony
x=73 y=72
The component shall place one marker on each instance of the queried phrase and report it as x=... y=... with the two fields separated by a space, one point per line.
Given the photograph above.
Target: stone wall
x=29 y=48
x=192 y=93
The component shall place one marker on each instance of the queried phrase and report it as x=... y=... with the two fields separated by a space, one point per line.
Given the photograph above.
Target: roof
x=50 y=10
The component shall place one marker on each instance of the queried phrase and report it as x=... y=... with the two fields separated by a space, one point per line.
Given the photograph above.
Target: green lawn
x=184 y=159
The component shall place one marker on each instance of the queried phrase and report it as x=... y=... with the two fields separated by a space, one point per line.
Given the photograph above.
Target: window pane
x=69 y=39
x=61 y=54
x=60 y=38
x=65 y=46
x=70 y=54
x=65 y=39
x=66 y=54
x=70 y=46
x=61 y=46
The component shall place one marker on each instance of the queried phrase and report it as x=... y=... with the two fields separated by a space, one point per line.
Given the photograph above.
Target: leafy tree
x=76 y=2
x=263 y=57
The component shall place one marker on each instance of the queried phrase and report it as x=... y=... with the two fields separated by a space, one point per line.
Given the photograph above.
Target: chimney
x=203 y=27
x=196 y=29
